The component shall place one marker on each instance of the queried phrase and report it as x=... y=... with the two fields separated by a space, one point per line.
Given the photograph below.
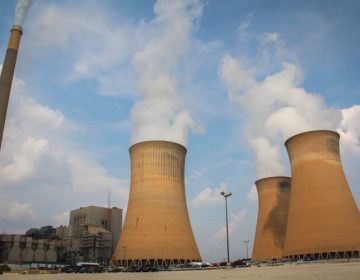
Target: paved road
x=326 y=271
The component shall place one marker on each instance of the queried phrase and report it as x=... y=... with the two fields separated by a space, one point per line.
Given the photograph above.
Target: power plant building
x=157 y=227
x=91 y=236
x=17 y=249
x=94 y=232
x=274 y=196
x=323 y=220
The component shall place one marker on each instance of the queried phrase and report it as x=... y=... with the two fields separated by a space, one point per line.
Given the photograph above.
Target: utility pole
x=247 y=248
x=226 y=195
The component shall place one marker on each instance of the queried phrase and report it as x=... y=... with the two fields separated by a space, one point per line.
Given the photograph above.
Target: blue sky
x=231 y=80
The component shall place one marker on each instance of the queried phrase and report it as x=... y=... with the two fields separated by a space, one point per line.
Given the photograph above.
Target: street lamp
x=226 y=195
x=247 y=248
x=124 y=247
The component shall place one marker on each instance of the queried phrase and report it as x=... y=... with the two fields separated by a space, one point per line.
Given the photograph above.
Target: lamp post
x=247 y=248
x=124 y=247
x=226 y=195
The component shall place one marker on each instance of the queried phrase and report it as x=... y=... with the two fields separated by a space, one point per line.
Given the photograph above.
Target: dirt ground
x=318 y=271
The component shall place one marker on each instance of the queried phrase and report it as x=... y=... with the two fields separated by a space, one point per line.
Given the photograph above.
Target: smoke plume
x=22 y=6
x=276 y=108
x=160 y=114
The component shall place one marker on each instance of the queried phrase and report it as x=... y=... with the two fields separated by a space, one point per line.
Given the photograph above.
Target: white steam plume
x=160 y=113
x=277 y=107
x=22 y=6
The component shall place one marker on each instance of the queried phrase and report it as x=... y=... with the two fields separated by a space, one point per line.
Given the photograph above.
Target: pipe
x=7 y=74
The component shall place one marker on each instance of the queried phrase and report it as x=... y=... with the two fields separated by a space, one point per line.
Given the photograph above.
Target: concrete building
x=157 y=228
x=89 y=237
x=274 y=196
x=93 y=233
x=323 y=220
x=16 y=249
x=96 y=244
x=45 y=232
x=92 y=217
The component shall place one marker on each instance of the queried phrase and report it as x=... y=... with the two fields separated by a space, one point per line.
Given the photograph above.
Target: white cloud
x=30 y=156
x=196 y=174
x=271 y=37
x=42 y=115
x=349 y=131
x=21 y=9
x=209 y=196
x=234 y=222
x=252 y=194
x=26 y=116
x=15 y=211
x=350 y=126
x=267 y=157
x=61 y=218
x=276 y=108
x=160 y=113
x=39 y=155
x=25 y=161
x=243 y=29
x=98 y=47
x=208 y=47
x=90 y=177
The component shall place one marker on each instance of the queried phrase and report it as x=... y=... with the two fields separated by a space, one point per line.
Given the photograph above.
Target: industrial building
x=323 y=220
x=91 y=236
x=16 y=249
x=274 y=196
x=157 y=228
x=45 y=232
x=93 y=233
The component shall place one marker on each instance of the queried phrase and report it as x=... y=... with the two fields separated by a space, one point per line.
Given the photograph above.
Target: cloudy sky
x=230 y=80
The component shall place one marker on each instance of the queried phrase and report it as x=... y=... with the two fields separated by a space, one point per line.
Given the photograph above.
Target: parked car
x=70 y=269
x=213 y=266
x=149 y=269
x=116 y=269
x=240 y=263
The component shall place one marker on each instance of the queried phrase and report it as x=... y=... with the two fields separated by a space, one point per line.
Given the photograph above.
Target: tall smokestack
x=323 y=221
x=274 y=196
x=157 y=227
x=7 y=74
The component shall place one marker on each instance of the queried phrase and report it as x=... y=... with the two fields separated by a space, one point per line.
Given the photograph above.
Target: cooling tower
x=7 y=74
x=157 y=228
x=323 y=220
x=274 y=196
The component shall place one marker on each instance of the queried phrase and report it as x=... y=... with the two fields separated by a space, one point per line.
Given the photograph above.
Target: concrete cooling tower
x=157 y=228
x=323 y=221
x=7 y=74
x=274 y=196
